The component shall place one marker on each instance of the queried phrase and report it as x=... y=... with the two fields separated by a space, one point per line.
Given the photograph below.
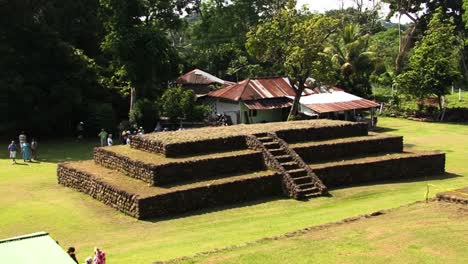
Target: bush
x=179 y=103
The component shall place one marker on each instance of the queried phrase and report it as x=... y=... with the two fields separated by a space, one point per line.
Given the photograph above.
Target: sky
x=323 y=5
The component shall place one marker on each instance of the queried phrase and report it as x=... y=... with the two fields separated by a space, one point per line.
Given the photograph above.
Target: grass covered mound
x=227 y=138
x=133 y=186
x=157 y=159
x=199 y=134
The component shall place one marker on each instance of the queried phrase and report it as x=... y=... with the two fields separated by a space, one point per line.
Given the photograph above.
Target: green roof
x=38 y=248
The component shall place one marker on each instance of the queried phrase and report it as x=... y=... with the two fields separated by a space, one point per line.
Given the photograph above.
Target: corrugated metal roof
x=269 y=103
x=252 y=89
x=37 y=248
x=197 y=76
x=335 y=102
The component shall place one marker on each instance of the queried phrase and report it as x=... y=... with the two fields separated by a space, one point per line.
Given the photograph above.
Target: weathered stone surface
x=173 y=172
x=403 y=167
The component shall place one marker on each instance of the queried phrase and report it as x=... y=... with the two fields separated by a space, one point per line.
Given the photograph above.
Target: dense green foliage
x=177 y=103
x=62 y=58
x=296 y=42
x=433 y=64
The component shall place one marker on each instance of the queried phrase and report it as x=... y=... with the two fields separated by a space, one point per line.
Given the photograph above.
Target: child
x=71 y=253
x=12 y=149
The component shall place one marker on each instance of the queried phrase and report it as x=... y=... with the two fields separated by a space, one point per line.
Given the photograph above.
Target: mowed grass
x=420 y=233
x=31 y=200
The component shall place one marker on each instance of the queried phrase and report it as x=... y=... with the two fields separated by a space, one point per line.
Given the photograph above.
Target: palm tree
x=353 y=61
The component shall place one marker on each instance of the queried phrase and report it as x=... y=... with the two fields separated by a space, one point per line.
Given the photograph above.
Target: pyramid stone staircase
x=176 y=172
x=299 y=182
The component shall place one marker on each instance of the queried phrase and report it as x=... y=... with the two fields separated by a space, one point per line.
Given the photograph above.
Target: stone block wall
x=98 y=189
x=325 y=132
x=199 y=169
x=189 y=148
x=392 y=169
x=332 y=151
x=209 y=196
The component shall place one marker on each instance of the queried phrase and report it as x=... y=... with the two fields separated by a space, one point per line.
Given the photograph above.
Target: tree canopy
x=433 y=65
x=296 y=42
x=67 y=61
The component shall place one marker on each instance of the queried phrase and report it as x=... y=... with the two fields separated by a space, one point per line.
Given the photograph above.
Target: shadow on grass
x=214 y=209
x=20 y=163
x=443 y=176
x=383 y=129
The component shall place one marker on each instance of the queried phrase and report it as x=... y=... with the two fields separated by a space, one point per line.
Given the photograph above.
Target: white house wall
x=230 y=109
x=267 y=115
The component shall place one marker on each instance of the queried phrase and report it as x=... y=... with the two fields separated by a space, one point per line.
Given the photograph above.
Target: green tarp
x=37 y=248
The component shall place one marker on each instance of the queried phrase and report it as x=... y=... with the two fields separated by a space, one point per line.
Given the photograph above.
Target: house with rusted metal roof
x=254 y=100
x=270 y=99
x=327 y=102
x=201 y=82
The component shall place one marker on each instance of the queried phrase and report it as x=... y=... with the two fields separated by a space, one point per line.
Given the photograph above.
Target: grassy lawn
x=31 y=200
x=421 y=233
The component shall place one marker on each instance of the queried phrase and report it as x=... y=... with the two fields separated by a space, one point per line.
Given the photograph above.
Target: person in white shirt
x=110 y=142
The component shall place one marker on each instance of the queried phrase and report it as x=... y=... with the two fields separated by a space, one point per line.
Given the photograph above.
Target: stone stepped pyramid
x=175 y=172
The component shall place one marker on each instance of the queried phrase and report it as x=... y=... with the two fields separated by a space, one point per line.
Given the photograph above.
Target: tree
x=177 y=103
x=420 y=12
x=136 y=39
x=48 y=84
x=433 y=65
x=385 y=47
x=215 y=37
x=295 y=41
x=355 y=64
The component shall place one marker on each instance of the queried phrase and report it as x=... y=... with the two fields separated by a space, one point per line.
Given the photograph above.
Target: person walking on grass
x=99 y=256
x=34 y=149
x=80 y=131
x=26 y=150
x=110 y=142
x=22 y=139
x=12 y=149
x=103 y=137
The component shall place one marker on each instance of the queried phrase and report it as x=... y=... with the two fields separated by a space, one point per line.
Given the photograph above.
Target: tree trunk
x=132 y=99
x=404 y=48
x=295 y=107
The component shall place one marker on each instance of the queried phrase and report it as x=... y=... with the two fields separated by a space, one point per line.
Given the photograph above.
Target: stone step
x=272 y=145
x=284 y=158
x=297 y=173
x=265 y=139
x=277 y=152
x=311 y=195
x=290 y=165
x=141 y=201
x=261 y=135
x=308 y=190
x=306 y=185
x=302 y=180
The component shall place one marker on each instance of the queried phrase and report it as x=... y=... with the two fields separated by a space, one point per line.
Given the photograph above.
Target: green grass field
x=31 y=200
x=420 y=233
